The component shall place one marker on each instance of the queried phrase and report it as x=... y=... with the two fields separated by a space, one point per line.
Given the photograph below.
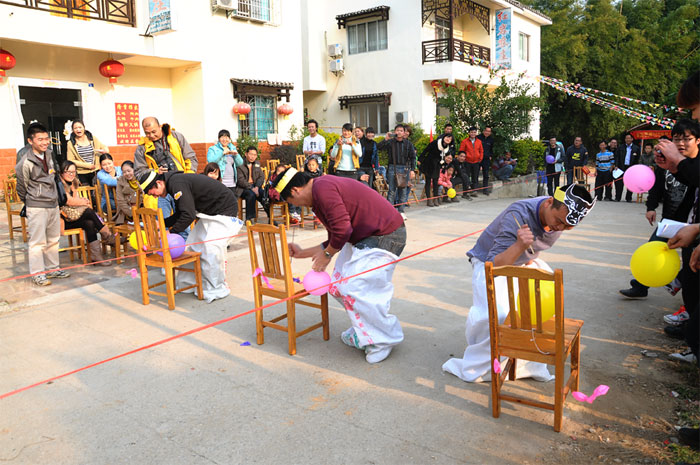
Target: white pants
x=475 y=365
x=44 y=230
x=367 y=298
x=212 y=233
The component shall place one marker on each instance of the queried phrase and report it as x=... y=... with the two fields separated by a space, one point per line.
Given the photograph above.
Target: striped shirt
x=86 y=152
x=604 y=161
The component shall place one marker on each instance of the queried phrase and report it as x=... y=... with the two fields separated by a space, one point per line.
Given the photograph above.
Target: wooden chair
x=124 y=230
x=14 y=207
x=301 y=159
x=381 y=185
x=550 y=342
x=266 y=174
x=80 y=246
x=284 y=212
x=308 y=215
x=581 y=175
x=278 y=270
x=92 y=193
x=241 y=204
x=109 y=213
x=155 y=233
x=271 y=165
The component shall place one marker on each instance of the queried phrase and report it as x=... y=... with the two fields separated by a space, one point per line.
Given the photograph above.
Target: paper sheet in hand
x=669 y=228
x=617 y=173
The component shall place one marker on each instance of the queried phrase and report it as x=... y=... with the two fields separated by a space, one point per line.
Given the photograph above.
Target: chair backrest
x=151 y=233
x=523 y=319
x=93 y=193
x=272 y=164
x=110 y=192
x=266 y=173
x=11 y=195
x=274 y=253
x=300 y=162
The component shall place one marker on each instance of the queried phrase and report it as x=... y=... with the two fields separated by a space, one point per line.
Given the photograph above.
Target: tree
x=509 y=109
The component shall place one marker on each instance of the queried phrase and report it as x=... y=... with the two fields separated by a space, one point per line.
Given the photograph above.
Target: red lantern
x=7 y=61
x=241 y=109
x=435 y=84
x=286 y=110
x=111 y=69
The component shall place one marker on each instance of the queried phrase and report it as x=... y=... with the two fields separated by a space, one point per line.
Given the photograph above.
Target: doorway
x=52 y=108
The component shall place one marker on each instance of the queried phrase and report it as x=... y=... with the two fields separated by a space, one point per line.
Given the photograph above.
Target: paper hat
x=578 y=208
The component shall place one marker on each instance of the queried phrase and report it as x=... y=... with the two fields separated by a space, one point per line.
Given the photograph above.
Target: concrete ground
x=205 y=398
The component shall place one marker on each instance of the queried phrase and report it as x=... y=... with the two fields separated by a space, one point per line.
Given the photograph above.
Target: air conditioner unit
x=403 y=117
x=230 y=5
x=335 y=50
x=336 y=66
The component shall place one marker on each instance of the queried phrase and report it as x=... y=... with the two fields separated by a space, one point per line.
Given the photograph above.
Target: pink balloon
x=317 y=282
x=639 y=178
x=496 y=366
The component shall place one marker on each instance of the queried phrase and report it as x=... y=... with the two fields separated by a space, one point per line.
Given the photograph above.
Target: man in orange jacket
x=475 y=154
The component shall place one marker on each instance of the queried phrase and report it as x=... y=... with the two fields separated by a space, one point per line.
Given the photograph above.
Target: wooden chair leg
x=9 y=222
x=83 y=251
x=70 y=248
x=259 y=328
x=324 y=317
x=24 y=229
x=495 y=393
x=118 y=246
x=291 y=327
x=170 y=287
x=558 y=392
x=198 y=278
x=576 y=361
x=513 y=368
x=143 y=271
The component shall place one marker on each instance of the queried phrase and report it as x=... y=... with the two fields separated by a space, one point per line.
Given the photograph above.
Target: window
x=254 y=9
x=524 y=47
x=367 y=37
x=261 y=120
x=442 y=28
x=375 y=114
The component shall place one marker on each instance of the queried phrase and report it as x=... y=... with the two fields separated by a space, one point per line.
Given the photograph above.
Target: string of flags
x=595 y=96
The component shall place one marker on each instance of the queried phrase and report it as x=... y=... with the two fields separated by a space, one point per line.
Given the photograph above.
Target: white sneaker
x=375 y=353
x=686 y=356
x=675 y=319
x=403 y=215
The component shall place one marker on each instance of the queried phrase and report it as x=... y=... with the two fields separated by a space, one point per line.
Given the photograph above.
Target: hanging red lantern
x=435 y=84
x=111 y=69
x=286 y=110
x=7 y=61
x=241 y=109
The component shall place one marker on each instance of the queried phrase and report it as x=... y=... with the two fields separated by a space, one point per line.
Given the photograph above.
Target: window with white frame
x=261 y=120
x=524 y=49
x=367 y=37
x=255 y=9
x=374 y=114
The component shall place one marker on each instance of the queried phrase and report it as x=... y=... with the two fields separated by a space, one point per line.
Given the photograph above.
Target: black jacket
x=576 y=156
x=432 y=158
x=621 y=154
x=675 y=197
x=487 y=143
x=195 y=193
x=405 y=152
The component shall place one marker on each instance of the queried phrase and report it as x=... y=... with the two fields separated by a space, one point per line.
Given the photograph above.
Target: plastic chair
x=150 y=236
x=278 y=271
x=550 y=342
x=14 y=207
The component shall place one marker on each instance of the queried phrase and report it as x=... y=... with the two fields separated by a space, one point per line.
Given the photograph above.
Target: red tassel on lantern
x=7 y=61
x=286 y=110
x=111 y=69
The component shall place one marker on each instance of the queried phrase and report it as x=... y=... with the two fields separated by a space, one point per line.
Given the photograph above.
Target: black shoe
x=675 y=332
x=629 y=201
x=486 y=192
x=634 y=293
x=608 y=198
x=617 y=200
x=690 y=437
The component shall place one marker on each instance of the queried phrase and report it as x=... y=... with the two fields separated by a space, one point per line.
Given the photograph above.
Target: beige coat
x=83 y=166
x=126 y=198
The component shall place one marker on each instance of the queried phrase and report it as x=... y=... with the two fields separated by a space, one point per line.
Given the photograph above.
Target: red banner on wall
x=647 y=134
x=128 y=129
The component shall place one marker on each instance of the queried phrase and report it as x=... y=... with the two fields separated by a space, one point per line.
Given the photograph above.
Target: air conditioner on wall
x=403 y=117
x=336 y=66
x=230 y=5
x=335 y=50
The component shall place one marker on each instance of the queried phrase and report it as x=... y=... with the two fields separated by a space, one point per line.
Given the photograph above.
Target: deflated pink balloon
x=599 y=391
x=496 y=366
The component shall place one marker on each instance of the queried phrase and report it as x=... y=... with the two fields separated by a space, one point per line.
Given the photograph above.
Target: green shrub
x=331 y=138
x=530 y=156
x=244 y=141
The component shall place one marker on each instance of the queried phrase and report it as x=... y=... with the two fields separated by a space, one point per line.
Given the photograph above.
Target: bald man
x=163 y=149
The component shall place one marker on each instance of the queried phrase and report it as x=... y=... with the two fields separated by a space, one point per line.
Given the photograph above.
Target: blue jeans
x=402 y=195
x=504 y=172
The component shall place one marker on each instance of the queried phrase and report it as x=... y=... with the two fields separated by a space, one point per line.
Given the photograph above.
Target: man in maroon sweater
x=365 y=231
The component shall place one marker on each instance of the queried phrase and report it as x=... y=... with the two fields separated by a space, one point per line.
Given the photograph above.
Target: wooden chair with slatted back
x=307 y=214
x=150 y=234
x=80 y=246
x=301 y=159
x=124 y=230
x=266 y=174
x=550 y=342
x=381 y=185
x=271 y=165
x=107 y=192
x=581 y=175
x=283 y=212
x=277 y=268
x=14 y=207
x=92 y=193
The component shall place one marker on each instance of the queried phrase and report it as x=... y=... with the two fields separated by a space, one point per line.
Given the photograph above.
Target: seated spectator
x=83 y=149
x=78 y=214
x=503 y=167
x=647 y=157
x=461 y=176
x=212 y=170
x=127 y=193
x=445 y=183
x=108 y=175
x=312 y=169
x=250 y=179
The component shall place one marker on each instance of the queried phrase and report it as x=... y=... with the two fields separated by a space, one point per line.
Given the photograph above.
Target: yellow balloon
x=133 y=242
x=547 y=299
x=451 y=193
x=654 y=264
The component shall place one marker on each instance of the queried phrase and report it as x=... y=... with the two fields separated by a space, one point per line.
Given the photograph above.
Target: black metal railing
x=113 y=11
x=440 y=50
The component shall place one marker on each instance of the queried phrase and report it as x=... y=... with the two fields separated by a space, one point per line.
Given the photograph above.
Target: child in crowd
x=647 y=157
x=445 y=182
x=212 y=170
x=312 y=169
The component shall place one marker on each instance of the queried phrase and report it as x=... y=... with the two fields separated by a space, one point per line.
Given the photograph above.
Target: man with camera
x=163 y=149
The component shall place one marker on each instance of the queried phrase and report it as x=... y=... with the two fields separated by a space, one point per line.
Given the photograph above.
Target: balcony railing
x=113 y=11
x=439 y=50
